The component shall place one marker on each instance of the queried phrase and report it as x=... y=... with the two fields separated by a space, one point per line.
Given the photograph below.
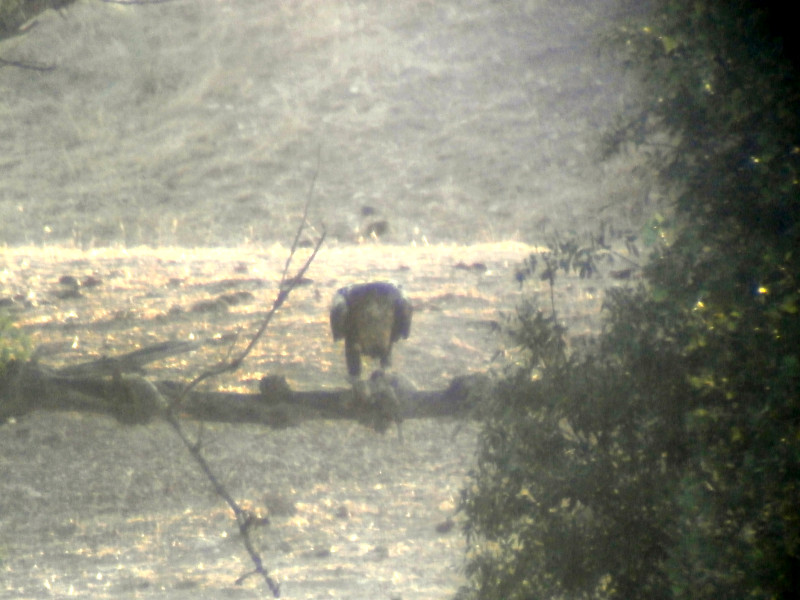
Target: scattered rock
x=375 y=229
x=68 y=294
x=69 y=281
x=445 y=526
x=279 y=505
x=66 y=530
x=476 y=267
x=274 y=389
x=91 y=281
x=236 y=298
x=210 y=306
x=378 y=553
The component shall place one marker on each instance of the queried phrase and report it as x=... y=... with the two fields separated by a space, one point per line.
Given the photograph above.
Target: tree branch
x=285 y=288
x=245 y=519
x=24 y=65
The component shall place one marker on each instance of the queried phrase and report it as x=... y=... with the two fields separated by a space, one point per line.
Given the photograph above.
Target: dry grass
x=199 y=123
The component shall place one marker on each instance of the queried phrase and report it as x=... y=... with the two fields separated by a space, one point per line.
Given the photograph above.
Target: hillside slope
x=200 y=123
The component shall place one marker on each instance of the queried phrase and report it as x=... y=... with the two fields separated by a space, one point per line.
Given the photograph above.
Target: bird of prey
x=370 y=317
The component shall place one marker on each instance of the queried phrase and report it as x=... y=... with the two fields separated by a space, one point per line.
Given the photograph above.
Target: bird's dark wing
x=402 y=317
x=339 y=310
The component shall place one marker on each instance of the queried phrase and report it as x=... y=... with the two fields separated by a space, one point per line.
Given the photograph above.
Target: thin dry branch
x=30 y=66
x=301 y=228
x=285 y=289
x=245 y=519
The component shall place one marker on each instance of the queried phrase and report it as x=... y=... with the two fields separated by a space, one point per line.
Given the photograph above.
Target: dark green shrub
x=666 y=462
x=571 y=496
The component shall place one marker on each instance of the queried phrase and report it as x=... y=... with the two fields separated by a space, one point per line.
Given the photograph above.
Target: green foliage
x=575 y=255
x=14 y=345
x=571 y=495
x=731 y=103
x=666 y=464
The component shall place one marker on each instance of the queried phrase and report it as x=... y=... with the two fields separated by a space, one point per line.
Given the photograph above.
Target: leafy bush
x=14 y=345
x=666 y=462
x=571 y=495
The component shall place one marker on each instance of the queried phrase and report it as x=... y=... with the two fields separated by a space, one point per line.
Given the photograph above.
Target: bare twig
x=300 y=229
x=26 y=65
x=285 y=288
x=244 y=518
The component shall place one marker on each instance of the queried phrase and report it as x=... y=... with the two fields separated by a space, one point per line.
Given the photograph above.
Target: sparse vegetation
x=666 y=462
x=14 y=345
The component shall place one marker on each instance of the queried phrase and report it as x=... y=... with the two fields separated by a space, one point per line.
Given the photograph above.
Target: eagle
x=370 y=317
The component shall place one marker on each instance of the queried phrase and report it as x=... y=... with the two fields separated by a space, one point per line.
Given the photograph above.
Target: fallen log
x=133 y=399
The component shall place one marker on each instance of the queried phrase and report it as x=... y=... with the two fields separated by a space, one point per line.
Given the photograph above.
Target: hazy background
x=200 y=122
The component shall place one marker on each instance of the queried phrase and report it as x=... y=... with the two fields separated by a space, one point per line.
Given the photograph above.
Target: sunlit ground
x=91 y=506
x=144 y=296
